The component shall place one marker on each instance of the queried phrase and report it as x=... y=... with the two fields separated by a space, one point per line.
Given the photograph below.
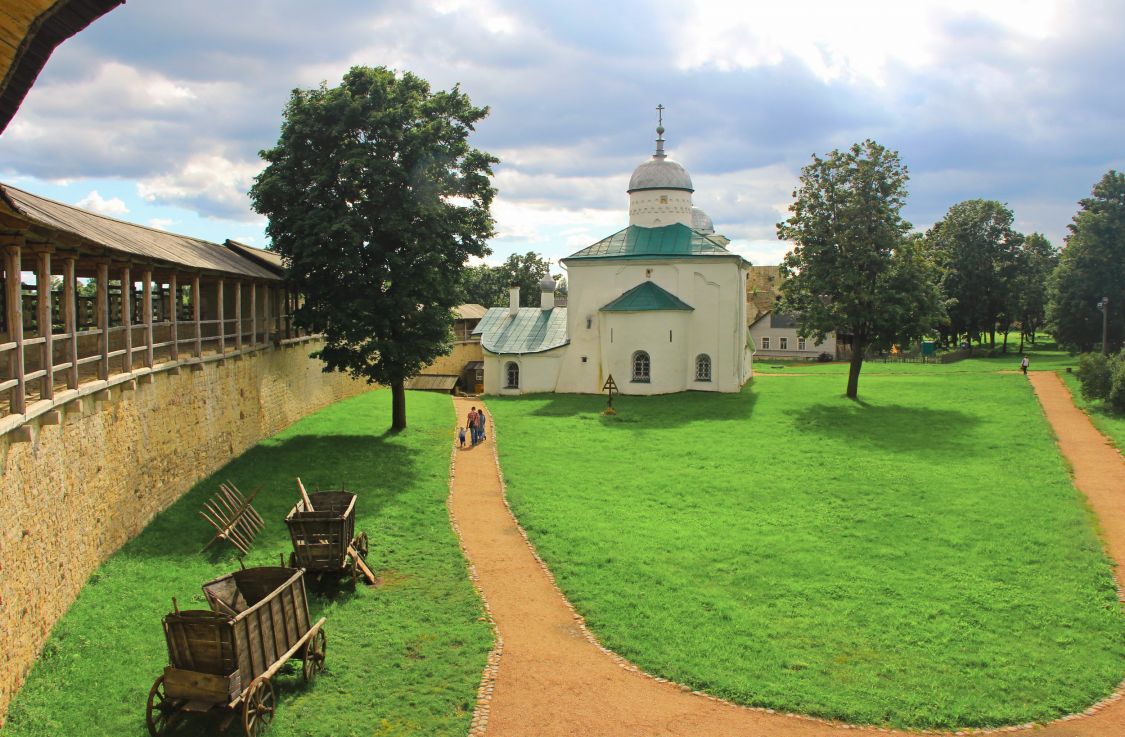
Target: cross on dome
x=659 y=133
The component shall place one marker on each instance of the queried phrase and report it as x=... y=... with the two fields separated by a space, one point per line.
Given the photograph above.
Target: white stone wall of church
x=716 y=289
x=538 y=372
x=654 y=208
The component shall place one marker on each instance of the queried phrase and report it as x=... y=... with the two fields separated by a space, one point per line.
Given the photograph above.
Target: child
x=461 y=436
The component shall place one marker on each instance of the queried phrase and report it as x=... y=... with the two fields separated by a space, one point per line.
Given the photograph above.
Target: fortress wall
x=82 y=488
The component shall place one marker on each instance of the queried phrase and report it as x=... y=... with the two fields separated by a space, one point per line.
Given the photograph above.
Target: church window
x=800 y=344
x=702 y=367
x=765 y=342
x=512 y=373
x=784 y=343
x=589 y=322
x=642 y=368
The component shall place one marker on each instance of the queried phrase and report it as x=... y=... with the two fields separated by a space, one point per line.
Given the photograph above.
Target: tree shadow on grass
x=368 y=465
x=661 y=412
x=920 y=431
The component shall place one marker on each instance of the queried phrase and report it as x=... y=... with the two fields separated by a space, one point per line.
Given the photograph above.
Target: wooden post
x=14 y=302
x=288 y=314
x=103 y=318
x=195 y=315
x=238 y=315
x=270 y=291
x=222 y=324
x=253 y=314
x=70 y=317
x=173 y=316
x=146 y=304
x=46 y=329
x=127 y=318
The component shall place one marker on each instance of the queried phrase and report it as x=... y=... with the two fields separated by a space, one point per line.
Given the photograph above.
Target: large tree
x=1092 y=266
x=853 y=269
x=1038 y=258
x=376 y=200
x=978 y=253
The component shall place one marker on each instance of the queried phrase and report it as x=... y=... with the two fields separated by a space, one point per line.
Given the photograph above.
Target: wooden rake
x=233 y=517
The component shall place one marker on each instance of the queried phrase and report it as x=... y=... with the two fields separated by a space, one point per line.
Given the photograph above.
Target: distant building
x=775 y=336
x=659 y=305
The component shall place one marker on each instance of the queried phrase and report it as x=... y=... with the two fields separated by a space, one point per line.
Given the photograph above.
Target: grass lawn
x=918 y=559
x=1111 y=424
x=1044 y=357
x=403 y=659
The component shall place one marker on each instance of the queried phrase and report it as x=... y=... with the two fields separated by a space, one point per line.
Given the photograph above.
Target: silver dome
x=660 y=173
x=547 y=284
x=701 y=221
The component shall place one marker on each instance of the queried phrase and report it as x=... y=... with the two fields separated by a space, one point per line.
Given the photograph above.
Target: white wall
x=539 y=372
x=654 y=208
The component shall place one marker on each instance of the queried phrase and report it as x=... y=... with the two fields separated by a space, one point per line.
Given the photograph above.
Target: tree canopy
x=979 y=254
x=853 y=269
x=376 y=200
x=488 y=285
x=1092 y=266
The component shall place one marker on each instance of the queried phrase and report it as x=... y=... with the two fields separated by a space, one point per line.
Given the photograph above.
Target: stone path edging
x=727 y=717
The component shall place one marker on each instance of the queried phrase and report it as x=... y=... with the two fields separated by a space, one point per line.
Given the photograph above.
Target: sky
x=156 y=113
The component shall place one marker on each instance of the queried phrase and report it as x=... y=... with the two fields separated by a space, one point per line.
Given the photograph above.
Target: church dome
x=701 y=221
x=660 y=173
x=547 y=284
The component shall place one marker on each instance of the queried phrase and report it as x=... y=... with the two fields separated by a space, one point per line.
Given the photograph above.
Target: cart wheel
x=314 y=655
x=361 y=545
x=258 y=707
x=160 y=710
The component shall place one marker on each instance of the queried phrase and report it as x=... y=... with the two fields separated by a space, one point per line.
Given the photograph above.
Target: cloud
x=99 y=204
x=209 y=184
x=161 y=223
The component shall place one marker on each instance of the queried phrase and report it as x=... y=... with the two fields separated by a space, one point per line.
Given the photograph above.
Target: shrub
x=1095 y=372
x=1116 y=394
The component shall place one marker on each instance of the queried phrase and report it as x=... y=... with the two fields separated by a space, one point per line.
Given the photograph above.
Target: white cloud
x=211 y=184
x=161 y=223
x=97 y=203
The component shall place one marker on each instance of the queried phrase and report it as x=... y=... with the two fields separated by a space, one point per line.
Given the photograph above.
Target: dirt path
x=549 y=677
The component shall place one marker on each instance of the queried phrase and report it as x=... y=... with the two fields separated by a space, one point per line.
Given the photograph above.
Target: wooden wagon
x=324 y=539
x=223 y=659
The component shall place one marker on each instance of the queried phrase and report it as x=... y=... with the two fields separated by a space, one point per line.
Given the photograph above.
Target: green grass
x=1109 y=423
x=1045 y=356
x=917 y=559
x=403 y=659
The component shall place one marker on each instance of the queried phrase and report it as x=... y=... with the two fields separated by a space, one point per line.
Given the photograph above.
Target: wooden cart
x=324 y=539
x=223 y=659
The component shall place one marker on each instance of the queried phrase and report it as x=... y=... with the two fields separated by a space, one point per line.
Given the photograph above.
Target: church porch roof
x=530 y=330
x=646 y=297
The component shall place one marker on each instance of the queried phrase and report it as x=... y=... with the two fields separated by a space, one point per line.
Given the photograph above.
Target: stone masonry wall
x=84 y=487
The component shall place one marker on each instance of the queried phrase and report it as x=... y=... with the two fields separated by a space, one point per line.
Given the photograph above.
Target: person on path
x=483 y=422
x=1024 y=364
x=472 y=425
x=461 y=436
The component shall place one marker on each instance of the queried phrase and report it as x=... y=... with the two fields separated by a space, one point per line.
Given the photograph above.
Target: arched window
x=512 y=374
x=702 y=367
x=642 y=367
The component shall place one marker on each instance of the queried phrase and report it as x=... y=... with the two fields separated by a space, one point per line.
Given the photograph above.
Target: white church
x=660 y=306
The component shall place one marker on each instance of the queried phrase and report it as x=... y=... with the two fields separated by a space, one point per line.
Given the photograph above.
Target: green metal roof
x=676 y=240
x=644 y=297
x=531 y=330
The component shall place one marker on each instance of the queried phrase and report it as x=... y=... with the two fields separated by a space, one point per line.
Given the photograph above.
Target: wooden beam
x=103 y=318
x=173 y=315
x=266 y=302
x=238 y=315
x=46 y=330
x=70 y=318
x=195 y=315
x=253 y=314
x=14 y=303
x=127 y=318
x=146 y=305
x=222 y=325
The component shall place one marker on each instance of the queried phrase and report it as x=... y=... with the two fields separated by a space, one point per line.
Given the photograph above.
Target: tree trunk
x=858 y=346
x=1021 y=340
x=398 y=405
x=1005 y=348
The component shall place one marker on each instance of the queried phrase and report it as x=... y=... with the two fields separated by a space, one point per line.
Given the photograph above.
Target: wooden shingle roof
x=134 y=240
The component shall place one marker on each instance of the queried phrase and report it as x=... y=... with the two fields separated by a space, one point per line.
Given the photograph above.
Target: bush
x=1095 y=371
x=1116 y=395
x=825 y=357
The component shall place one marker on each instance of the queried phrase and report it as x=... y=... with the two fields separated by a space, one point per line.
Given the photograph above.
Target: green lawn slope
x=916 y=559
x=403 y=659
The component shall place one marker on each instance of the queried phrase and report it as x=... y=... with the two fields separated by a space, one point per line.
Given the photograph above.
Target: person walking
x=471 y=423
x=483 y=421
x=1024 y=364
